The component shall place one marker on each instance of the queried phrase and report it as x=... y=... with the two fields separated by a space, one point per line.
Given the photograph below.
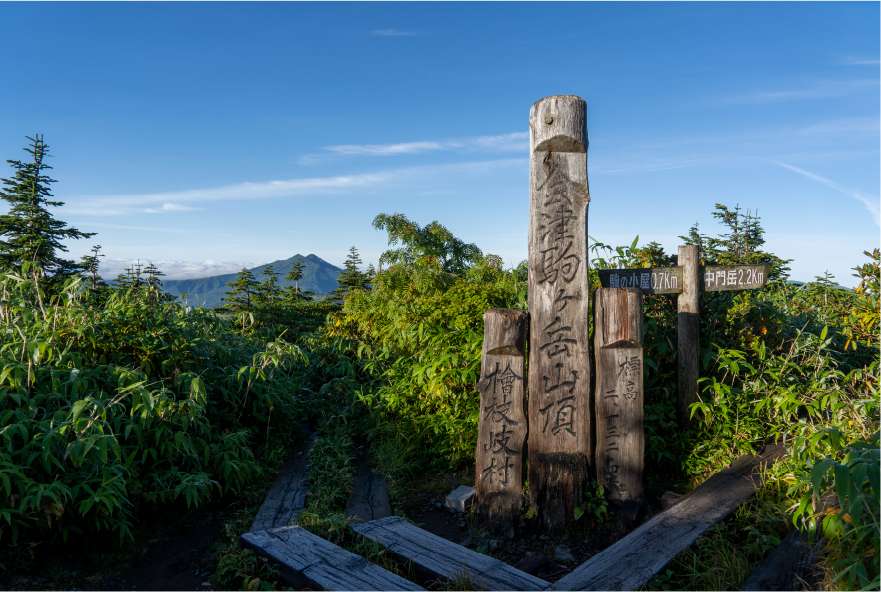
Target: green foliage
x=108 y=407
x=431 y=243
x=417 y=335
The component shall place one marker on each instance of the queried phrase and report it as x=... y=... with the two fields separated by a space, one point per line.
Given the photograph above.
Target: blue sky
x=206 y=136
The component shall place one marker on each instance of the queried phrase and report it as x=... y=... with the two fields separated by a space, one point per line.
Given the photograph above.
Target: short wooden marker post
x=620 y=444
x=502 y=429
x=559 y=366
x=688 y=329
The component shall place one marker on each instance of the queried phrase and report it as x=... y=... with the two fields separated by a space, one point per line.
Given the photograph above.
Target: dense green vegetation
x=117 y=401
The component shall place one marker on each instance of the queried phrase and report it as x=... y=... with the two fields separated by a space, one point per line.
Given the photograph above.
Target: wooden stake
x=688 y=324
x=559 y=367
x=502 y=428
x=620 y=444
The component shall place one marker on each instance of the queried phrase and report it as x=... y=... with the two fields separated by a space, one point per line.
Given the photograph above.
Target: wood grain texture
x=321 y=563
x=786 y=566
x=445 y=558
x=619 y=400
x=502 y=425
x=287 y=496
x=688 y=330
x=369 y=499
x=559 y=366
x=635 y=559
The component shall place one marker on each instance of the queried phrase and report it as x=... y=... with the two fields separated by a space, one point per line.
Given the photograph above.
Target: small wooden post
x=688 y=325
x=559 y=366
x=502 y=429
x=620 y=444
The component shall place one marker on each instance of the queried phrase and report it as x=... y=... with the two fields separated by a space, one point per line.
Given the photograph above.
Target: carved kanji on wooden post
x=559 y=367
x=620 y=443
x=502 y=430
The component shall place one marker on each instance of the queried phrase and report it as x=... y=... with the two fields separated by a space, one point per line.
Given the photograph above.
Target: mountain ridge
x=319 y=277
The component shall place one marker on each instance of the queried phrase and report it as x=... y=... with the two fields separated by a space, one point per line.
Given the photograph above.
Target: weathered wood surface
x=502 y=425
x=688 y=330
x=786 y=567
x=369 y=499
x=620 y=438
x=321 y=563
x=445 y=558
x=659 y=280
x=559 y=366
x=635 y=559
x=735 y=277
x=287 y=496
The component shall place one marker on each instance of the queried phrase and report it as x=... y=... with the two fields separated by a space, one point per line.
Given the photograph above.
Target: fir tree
x=268 y=292
x=351 y=278
x=131 y=277
x=153 y=274
x=90 y=265
x=295 y=275
x=29 y=233
x=240 y=297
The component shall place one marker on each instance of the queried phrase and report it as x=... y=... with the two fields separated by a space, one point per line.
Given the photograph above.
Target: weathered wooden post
x=502 y=430
x=688 y=329
x=620 y=443
x=559 y=366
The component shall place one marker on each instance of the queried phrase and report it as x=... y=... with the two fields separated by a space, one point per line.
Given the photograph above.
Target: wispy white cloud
x=172 y=268
x=860 y=61
x=384 y=149
x=392 y=32
x=178 y=201
x=824 y=89
x=170 y=207
x=510 y=142
x=869 y=202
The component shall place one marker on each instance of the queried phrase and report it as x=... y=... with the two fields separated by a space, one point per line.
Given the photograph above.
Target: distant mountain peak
x=319 y=277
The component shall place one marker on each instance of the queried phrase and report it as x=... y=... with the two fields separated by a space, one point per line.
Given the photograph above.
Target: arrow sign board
x=661 y=280
x=735 y=277
x=668 y=280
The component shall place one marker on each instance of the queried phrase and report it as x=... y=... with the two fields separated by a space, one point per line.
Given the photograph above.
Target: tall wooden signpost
x=502 y=432
x=559 y=366
x=687 y=280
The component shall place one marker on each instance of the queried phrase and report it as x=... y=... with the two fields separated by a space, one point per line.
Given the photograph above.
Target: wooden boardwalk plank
x=321 y=562
x=287 y=496
x=445 y=558
x=369 y=499
x=635 y=559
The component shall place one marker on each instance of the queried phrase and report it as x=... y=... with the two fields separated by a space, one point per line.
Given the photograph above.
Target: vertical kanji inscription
x=502 y=429
x=559 y=370
x=620 y=435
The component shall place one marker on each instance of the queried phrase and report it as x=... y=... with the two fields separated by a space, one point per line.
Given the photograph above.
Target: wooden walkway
x=322 y=563
x=287 y=496
x=635 y=559
x=445 y=558
x=628 y=564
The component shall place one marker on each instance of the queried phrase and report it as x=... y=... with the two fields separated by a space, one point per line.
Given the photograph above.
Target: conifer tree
x=268 y=292
x=295 y=275
x=29 y=233
x=153 y=274
x=90 y=265
x=240 y=297
x=352 y=277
